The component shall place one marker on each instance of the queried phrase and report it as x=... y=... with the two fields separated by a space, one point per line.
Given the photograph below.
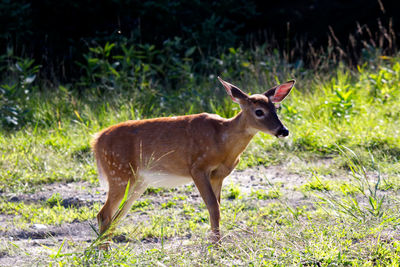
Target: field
x=326 y=195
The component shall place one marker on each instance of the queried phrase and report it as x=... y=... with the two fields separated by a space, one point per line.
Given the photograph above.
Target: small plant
x=168 y=204
x=264 y=195
x=317 y=184
x=141 y=204
x=368 y=203
x=233 y=192
x=54 y=200
x=341 y=102
x=153 y=190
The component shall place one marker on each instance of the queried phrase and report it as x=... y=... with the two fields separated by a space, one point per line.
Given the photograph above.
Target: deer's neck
x=237 y=135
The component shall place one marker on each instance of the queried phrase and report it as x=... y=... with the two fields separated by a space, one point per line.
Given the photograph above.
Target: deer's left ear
x=279 y=92
x=234 y=92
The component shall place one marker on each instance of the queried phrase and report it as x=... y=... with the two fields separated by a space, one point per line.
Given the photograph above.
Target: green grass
x=25 y=214
x=341 y=217
x=258 y=236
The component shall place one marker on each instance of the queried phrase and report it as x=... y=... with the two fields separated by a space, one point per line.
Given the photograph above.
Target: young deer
x=167 y=152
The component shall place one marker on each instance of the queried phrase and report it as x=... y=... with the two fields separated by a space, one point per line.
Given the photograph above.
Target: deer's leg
x=202 y=182
x=216 y=184
x=114 y=197
x=134 y=193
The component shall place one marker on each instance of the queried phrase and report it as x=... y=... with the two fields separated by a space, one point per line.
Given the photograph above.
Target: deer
x=171 y=151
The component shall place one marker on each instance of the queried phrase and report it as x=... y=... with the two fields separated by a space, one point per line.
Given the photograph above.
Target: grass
x=339 y=214
x=37 y=213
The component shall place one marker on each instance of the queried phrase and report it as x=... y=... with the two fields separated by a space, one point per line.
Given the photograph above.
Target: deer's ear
x=279 y=92
x=234 y=92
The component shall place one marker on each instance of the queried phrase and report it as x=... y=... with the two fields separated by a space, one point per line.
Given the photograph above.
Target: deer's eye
x=259 y=113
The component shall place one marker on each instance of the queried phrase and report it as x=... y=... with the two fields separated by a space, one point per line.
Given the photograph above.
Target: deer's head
x=259 y=109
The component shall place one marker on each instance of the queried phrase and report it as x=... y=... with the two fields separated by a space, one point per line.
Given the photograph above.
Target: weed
x=54 y=200
x=168 y=204
x=233 y=192
x=317 y=184
x=368 y=203
x=141 y=204
x=264 y=195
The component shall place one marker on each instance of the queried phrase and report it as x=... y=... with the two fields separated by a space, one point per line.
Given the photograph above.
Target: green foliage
x=264 y=195
x=317 y=184
x=233 y=192
x=125 y=66
x=168 y=204
x=54 y=200
x=45 y=214
x=15 y=91
x=142 y=204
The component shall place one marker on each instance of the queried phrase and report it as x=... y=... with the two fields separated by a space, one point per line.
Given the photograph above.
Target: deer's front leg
x=202 y=181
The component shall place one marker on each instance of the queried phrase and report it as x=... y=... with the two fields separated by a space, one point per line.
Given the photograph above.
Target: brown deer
x=167 y=152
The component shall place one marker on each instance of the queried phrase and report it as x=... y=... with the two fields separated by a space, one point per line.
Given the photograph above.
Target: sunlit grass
x=32 y=213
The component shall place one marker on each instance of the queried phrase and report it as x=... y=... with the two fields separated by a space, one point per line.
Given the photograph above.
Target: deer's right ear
x=279 y=92
x=234 y=92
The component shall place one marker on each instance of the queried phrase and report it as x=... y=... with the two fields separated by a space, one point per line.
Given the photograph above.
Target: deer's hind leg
x=110 y=211
x=114 y=197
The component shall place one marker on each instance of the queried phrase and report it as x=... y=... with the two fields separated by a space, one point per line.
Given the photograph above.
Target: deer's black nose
x=283 y=132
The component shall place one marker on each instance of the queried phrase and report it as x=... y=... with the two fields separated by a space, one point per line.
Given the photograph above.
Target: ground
x=38 y=241
x=280 y=214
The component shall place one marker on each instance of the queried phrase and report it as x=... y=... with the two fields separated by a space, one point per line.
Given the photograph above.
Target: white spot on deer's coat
x=112 y=172
x=224 y=137
x=123 y=183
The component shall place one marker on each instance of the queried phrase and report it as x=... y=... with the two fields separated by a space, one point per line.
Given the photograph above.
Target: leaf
x=18 y=67
x=113 y=71
x=107 y=48
x=190 y=51
x=125 y=198
x=30 y=79
x=12 y=120
x=93 y=60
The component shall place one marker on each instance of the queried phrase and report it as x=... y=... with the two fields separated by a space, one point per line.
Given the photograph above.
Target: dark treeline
x=57 y=33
